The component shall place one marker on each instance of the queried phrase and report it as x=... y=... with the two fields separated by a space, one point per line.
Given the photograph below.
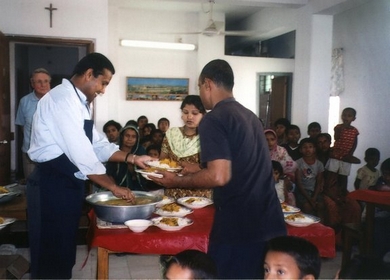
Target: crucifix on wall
x=51 y=9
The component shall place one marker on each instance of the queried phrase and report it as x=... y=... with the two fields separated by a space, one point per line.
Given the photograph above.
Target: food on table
x=3 y=190
x=170 y=163
x=294 y=217
x=2 y=220
x=122 y=202
x=170 y=221
x=171 y=207
x=192 y=200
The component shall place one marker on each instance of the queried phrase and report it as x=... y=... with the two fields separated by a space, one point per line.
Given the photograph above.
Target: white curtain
x=337 y=75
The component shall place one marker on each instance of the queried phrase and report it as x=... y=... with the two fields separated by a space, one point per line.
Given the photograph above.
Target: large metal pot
x=120 y=214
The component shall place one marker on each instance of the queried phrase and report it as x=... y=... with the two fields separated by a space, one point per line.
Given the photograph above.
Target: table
x=196 y=236
x=372 y=199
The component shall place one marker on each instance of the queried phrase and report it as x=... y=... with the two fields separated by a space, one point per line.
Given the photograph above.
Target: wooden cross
x=51 y=9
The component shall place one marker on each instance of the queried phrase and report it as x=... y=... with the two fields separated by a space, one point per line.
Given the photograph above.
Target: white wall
x=363 y=33
x=361 y=30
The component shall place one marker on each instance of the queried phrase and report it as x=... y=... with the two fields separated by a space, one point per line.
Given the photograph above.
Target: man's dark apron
x=55 y=198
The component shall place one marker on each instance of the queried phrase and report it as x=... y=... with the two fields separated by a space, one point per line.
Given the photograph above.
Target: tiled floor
x=129 y=266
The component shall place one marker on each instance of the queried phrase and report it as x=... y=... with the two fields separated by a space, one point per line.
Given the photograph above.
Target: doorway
x=275 y=91
x=58 y=56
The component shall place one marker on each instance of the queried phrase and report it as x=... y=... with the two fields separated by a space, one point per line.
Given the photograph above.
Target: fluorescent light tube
x=157 y=45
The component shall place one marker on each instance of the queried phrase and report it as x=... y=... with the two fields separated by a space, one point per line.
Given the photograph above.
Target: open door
x=5 y=113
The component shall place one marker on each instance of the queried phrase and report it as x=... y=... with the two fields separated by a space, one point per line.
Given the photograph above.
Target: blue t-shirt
x=247 y=207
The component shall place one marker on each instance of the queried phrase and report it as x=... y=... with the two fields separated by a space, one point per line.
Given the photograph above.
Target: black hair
x=372 y=152
x=111 y=123
x=385 y=166
x=350 y=109
x=152 y=126
x=161 y=120
x=276 y=165
x=292 y=127
x=283 y=121
x=305 y=254
x=220 y=72
x=141 y=117
x=131 y=122
x=313 y=125
x=201 y=264
x=95 y=61
x=326 y=135
x=155 y=131
x=193 y=100
x=153 y=147
x=307 y=140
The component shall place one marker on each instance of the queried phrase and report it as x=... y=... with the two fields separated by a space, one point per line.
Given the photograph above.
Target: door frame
x=289 y=76
x=89 y=45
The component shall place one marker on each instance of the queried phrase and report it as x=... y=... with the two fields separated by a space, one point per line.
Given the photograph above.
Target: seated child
x=309 y=180
x=293 y=135
x=163 y=124
x=382 y=216
x=281 y=125
x=368 y=175
x=291 y=257
x=313 y=130
x=153 y=151
x=282 y=184
x=191 y=264
x=280 y=154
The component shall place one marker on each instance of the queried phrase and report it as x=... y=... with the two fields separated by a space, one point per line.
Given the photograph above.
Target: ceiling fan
x=215 y=28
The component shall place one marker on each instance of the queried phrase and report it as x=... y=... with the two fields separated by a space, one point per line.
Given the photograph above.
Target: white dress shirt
x=58 y=127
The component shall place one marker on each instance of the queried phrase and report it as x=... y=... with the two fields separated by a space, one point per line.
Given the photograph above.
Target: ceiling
x=235 y=10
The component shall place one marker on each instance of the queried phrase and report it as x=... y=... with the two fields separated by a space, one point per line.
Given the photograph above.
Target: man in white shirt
x=68 y=150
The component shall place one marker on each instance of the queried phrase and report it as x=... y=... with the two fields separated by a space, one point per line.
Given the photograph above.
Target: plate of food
x=6 y=221
x=289 y=208
x=171 y=223
x=165 y=200
x=165 y=164
x=152 y=172
x=173 y=210
x=194 y=202
x=300 y=219
x=7 y=194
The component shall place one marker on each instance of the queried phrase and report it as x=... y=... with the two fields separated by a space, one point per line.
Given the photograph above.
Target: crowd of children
x=318 y=171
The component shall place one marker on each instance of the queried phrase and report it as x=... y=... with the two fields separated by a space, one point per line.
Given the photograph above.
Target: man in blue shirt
x=40 y=82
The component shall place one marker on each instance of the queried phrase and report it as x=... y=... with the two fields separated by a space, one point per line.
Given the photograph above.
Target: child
x=280 y=129
x=382 y=216
x=282 y=184
x=191 y=264
x=280 y=154
x=341 y=156
x=309 y=179
x=153 y=151
x=368 y=175
x=111 y=129
x=293 y=135
x=163 y=124
x=313 y=130
x=323 y=142
x=291 y=257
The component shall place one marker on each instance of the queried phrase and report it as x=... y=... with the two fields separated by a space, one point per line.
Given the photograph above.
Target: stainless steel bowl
x=120 y=214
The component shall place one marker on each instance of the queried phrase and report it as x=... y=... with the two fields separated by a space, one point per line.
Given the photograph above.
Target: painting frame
x=156 y=89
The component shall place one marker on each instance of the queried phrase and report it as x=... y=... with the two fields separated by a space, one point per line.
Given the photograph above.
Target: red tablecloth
x=370 y=196
x=156 y=241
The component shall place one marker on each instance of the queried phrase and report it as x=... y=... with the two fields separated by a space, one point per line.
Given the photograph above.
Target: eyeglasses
x=43 y=82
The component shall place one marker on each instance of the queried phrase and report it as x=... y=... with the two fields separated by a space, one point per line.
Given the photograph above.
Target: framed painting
x=156 y=89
